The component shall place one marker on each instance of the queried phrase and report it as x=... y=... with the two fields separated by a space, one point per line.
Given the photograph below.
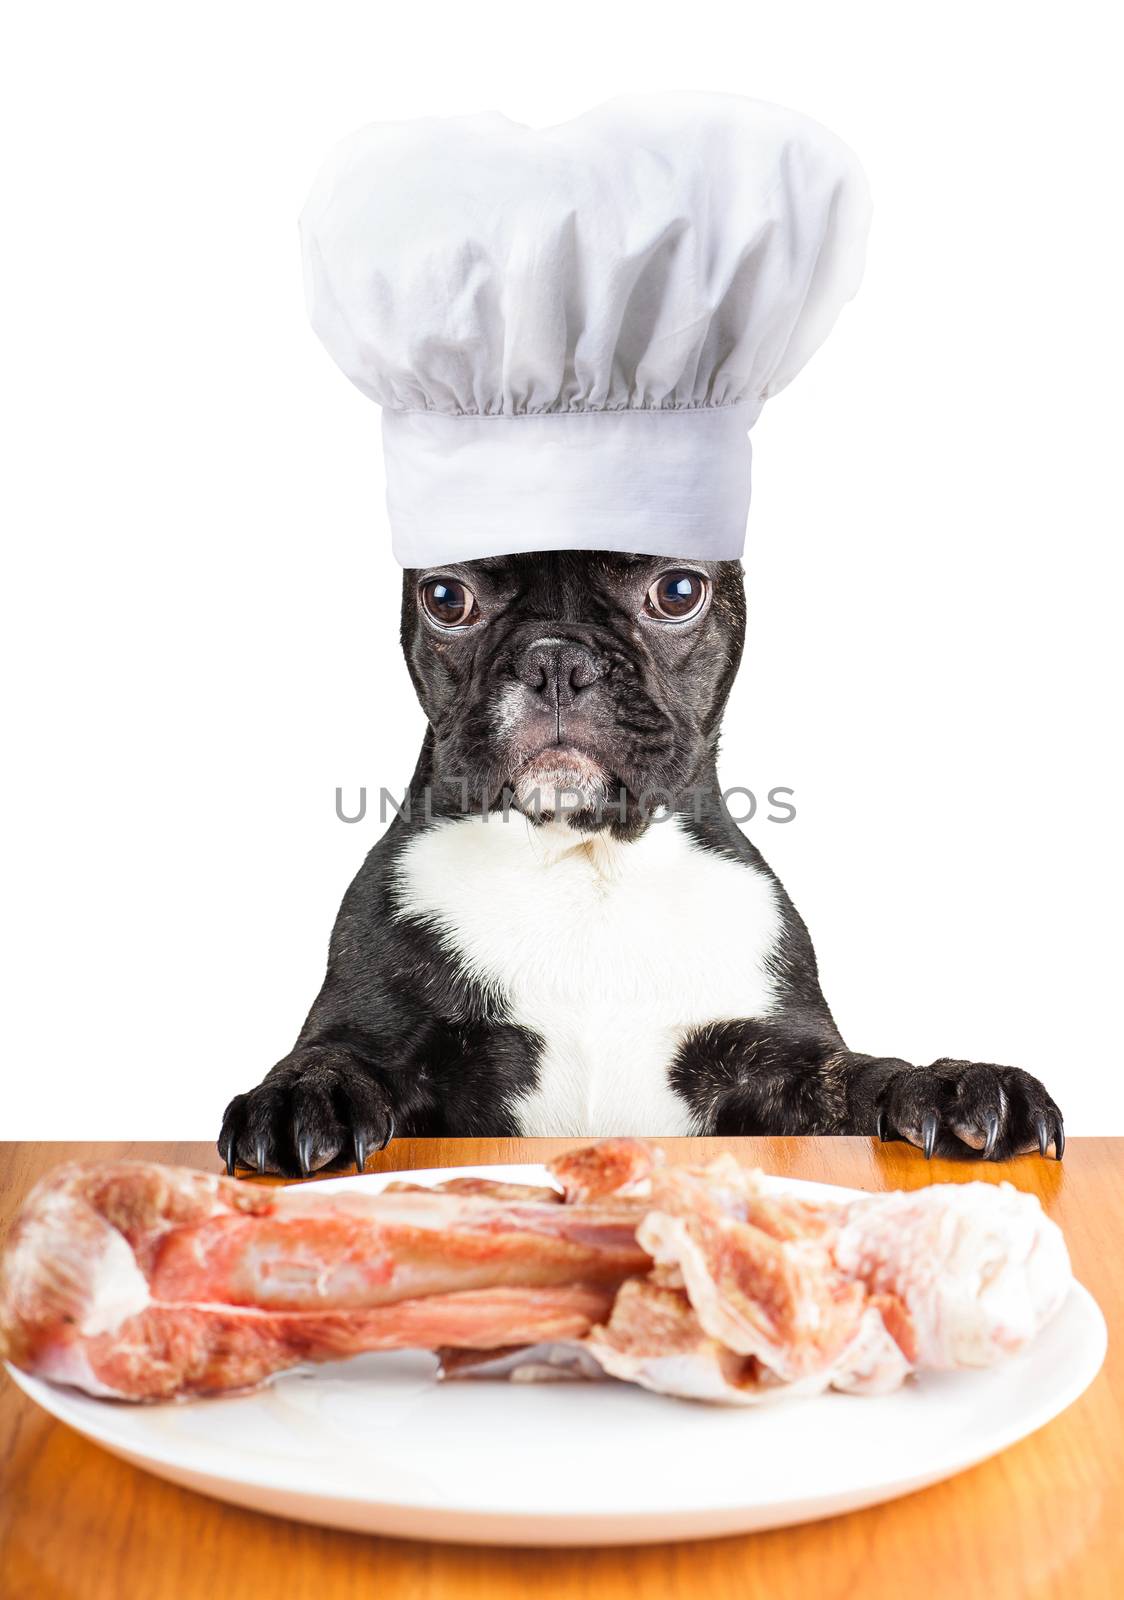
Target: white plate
x=375 y=1444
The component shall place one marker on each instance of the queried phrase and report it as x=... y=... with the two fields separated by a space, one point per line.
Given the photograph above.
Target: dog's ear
x=729 y=599
x=408 y=628
x=409 y=621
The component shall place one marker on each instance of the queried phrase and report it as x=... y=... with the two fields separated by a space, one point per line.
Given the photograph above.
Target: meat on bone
x=139 y=1281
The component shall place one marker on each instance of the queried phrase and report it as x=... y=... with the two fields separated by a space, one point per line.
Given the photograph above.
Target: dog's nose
x=558 y=669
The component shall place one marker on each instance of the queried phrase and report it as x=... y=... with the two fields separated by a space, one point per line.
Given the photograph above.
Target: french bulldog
x=563 y=932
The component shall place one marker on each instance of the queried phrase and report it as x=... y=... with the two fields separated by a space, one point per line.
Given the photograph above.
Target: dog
x=563 y=932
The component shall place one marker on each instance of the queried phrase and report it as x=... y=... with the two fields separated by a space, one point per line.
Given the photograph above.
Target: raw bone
x=140 y=1282
x=754 y=1296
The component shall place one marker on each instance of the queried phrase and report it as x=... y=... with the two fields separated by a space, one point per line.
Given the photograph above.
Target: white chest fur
x=610 y=952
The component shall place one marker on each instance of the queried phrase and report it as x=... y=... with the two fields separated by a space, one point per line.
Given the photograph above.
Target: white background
x=200 y=607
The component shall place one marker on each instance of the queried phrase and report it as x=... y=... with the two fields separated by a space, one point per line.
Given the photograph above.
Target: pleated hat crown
x=571 y=329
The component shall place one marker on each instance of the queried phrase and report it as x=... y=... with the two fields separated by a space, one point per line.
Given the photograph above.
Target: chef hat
x=571 y=330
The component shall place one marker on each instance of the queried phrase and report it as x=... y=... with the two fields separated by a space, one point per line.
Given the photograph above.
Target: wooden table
x=1044 y=1518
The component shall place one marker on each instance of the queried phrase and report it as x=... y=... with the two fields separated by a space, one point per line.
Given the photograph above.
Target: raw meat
x=481 y=1186
x=760 y=1277
x=143 y=1282
x=654 y=1338
x=753 y=1296
x=975 y=1269
x=616 y=1167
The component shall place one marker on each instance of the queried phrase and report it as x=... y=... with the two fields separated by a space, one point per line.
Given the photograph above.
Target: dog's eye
x=676 y=596
x=450 y=604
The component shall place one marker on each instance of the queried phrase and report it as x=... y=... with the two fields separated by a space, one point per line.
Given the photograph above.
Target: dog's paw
x=959 y=1107
x=317 y=1108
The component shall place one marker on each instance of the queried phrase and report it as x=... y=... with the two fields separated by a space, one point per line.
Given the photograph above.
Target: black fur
x=399 y=1041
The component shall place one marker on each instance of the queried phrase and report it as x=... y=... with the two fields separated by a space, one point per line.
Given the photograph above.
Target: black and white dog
x=568 y=934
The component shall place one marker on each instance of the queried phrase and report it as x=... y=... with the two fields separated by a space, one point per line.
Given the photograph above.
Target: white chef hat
x=572 y=329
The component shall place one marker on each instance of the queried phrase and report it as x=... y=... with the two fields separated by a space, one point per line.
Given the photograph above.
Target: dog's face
x=576 y=682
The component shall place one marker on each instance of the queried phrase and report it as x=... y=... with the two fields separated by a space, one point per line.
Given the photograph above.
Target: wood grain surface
x=1045 y=1518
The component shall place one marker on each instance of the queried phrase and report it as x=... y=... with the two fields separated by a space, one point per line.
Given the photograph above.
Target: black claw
x=991 y=1123
x=880 y=1124
x=226 y=1150
x=928 y=1133
x=304 y=1154
x=260 y=1153
x=1059 y=1140
x=390 y=1129
x=359 y=1143
x=1043 y=1130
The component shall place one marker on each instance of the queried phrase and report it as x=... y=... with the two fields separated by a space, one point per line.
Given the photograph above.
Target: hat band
x=664 y=483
